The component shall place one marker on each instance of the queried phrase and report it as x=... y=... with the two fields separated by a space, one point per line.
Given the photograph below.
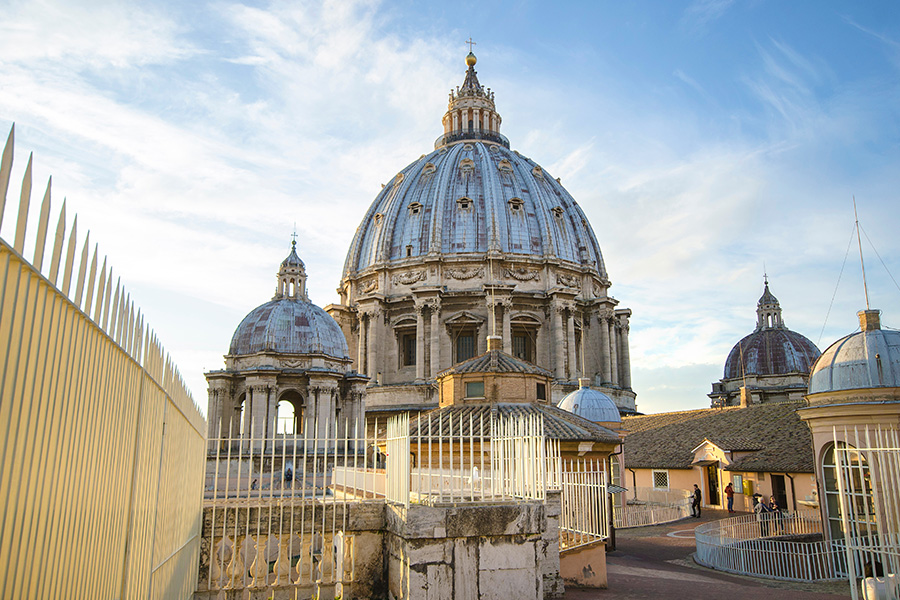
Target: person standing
x=696 y=497
x=762 y=514
x=729 y=493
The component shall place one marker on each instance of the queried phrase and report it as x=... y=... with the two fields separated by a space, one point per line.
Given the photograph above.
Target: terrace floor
x=655 y=562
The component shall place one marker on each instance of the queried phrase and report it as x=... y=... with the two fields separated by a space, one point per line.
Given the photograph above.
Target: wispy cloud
x=702 y=12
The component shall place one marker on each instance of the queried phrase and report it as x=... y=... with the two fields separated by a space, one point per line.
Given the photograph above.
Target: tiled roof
x=475 y=419
x=495 y=361
x=778 y=441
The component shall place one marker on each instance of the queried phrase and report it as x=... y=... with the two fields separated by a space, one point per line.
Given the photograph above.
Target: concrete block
x=505 y=553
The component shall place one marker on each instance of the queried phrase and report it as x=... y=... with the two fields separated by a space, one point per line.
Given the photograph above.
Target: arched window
x=289 y=420
x=845 y=460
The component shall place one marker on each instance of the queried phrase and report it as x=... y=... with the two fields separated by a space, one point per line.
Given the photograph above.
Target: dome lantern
x=471 y=113
x=768 y=310
x=291 y=276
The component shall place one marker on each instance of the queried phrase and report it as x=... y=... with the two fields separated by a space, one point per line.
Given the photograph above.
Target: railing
x=585 y=508
x=459 y=136
x=645 y=506
x=102 y=451
x=774 y=545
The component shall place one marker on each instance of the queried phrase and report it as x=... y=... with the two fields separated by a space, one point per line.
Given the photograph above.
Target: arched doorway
x=289 y=420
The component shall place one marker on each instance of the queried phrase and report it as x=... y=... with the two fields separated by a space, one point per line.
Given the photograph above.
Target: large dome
x=473 y=197
x=772 y=349
x=771 y=352
x=869 y=358
x=289 y=326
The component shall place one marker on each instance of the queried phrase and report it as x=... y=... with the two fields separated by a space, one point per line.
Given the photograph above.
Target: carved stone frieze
x=408 y=277
x=522 y=274
x=367 y=287
x=567 y=280
x=464 y=273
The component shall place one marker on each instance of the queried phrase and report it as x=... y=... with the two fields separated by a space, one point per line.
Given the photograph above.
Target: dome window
x=378 y=218
x=538 y=172
x=428 y=169
x=467 y=164
x=557 y=211
x=467 y=147
x=398 y=179
x=505 y=166
x=464 y=203
x=414 y=208
x=516 y=204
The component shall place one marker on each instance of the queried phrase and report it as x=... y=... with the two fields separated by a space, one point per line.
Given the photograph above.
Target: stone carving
x=409 y=277
x=367 y=287
x=522 y=274
x=464 y=273
x=567 y=280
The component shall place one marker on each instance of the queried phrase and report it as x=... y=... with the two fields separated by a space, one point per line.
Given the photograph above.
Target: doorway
x=779 y=491
x=712 y=484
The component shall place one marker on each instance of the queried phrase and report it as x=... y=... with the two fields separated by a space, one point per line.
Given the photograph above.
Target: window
x=523 y=343
x=515 y=204
x=542 y=391
x=661 y=480
x=857 y=492
x=474 y=389
x=464 y=203
x=414 y=208
x=407 y=349
x=465 y=345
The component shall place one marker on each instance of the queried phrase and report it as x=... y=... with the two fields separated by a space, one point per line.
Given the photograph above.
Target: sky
x=708 y=142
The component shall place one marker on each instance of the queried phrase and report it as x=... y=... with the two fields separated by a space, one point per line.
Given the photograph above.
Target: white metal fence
x=868 y=461
x=645 y=506
x=769 y=545
x=102 y=450
x=585 y=505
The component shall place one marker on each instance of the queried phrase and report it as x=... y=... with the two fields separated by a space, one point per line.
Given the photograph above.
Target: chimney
x=495 y=342
x=869 y=320
x=745 y=397
x=584 y=382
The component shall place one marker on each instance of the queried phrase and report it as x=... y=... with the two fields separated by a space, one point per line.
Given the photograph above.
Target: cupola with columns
x=471 y=113
x=291 y=276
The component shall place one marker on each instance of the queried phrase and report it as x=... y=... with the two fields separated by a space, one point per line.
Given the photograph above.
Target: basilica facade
x=471 y=240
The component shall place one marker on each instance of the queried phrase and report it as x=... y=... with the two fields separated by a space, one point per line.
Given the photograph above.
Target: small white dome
x=866 y=359
x=592 y=405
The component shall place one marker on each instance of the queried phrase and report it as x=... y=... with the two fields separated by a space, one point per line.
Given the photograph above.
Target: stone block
x=429 y=550
x=506 y=553
x=465 y=569
x=503 y=584
x=494 y=519
x=439 y=583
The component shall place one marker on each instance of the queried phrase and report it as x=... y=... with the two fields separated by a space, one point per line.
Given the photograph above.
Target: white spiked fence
x=103 y=445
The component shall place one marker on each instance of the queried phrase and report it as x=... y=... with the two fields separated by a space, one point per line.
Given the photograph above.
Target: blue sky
x=706 y=141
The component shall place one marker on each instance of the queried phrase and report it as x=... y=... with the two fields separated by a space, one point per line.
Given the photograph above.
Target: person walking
x=696 y=497
x=729 y=493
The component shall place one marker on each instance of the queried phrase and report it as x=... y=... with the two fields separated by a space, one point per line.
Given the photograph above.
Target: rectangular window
x=407 y=350
x=523 y=345
x=465 y=346
x=737 y=481
x=542 y=391
x=474 y=389
x=661 y=480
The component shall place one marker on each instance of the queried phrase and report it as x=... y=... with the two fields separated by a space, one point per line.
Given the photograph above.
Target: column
x=259 y=418
x=361 y=347
x=247 y=413
x=372 y=340
x=435 y=337
x=626 y=358
x=604 y=349
x=507 y=328
x=559 y=340
x=476 y=119
x=570 y=343
x=213 y=414
x=420 y=342
x=613 y=353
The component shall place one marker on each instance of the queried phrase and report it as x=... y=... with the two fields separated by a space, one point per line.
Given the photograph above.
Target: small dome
x=592 y=405
x=771 y=352
x=292 y=259
x=866 y=359
x=289 y=326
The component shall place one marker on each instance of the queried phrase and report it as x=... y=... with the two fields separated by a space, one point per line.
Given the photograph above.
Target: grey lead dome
x=471 y=198
x=289 y=326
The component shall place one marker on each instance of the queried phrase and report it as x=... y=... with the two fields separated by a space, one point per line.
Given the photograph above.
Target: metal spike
x=24 y=202
x=92 y=277
x=101 y=289
x=111 y=331
x=82 y=270
x=70 y=258
x=6 y=168
x=58 y=244
x=40 y=243
x=104 y=319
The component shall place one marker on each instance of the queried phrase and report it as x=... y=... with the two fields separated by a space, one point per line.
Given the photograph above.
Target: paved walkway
x=655 y=562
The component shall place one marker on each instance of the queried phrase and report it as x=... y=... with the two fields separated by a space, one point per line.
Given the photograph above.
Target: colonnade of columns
x=611 y=363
